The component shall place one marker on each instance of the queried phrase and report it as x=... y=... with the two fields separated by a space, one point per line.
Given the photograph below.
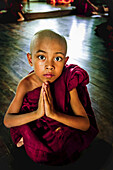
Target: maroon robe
x=51 y=142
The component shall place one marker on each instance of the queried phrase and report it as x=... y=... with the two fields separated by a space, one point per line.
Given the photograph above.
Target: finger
x=46 y=90
x=49 y=94
x=41 y=95
x=41 y=101
x=46 y=102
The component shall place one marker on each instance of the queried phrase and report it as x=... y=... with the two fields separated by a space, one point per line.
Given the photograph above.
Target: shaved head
x=48 y=34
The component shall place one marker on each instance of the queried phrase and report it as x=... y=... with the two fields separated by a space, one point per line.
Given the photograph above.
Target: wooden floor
x=43 y=10
x=85 y=49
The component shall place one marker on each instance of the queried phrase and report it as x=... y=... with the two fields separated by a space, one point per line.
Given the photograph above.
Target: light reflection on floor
x=78 y=31
x=79 y=35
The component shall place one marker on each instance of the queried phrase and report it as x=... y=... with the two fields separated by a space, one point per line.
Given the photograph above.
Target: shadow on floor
x=91 y=159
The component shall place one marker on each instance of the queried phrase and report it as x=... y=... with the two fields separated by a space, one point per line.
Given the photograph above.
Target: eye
x=41 y=57
x=58 y=58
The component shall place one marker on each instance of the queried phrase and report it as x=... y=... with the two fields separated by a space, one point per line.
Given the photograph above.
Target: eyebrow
x=46 y=52
x=40 y=51
x=60 y=53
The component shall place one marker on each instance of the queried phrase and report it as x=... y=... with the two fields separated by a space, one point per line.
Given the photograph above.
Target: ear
x=66 y=59
x=29 y=57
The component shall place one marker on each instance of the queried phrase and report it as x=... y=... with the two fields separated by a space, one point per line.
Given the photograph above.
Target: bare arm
x=96 y=8
x=11 y=117
x=79 y=121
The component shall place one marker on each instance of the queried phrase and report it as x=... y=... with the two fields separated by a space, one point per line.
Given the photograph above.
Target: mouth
x=48 y=75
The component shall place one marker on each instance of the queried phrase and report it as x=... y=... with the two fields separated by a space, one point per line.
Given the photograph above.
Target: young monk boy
x=51 y=113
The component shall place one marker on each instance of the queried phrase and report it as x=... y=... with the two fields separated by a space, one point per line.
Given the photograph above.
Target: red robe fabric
x=83 y=7
x=48 y=141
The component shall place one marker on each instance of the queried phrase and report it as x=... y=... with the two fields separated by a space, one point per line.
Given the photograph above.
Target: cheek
x=38 y=68
x=39 y=65
x=59 y=70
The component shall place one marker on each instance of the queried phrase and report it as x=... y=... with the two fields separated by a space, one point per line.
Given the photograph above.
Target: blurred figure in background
x=16 y=10
x=87 y=8
x=105 y=30
x=12 y=11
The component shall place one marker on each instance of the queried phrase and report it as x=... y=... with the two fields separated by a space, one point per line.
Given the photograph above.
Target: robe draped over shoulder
x=49 y=141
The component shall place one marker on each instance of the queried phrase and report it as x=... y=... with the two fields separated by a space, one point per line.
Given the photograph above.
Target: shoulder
x=75 y=75
x=74 y=67
x=24 y=85
x=73 y=70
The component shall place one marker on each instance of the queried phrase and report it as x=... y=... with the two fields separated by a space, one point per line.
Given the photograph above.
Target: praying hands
x=45 y=105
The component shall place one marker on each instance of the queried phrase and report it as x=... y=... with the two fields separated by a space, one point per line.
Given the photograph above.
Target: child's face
x=48 y=59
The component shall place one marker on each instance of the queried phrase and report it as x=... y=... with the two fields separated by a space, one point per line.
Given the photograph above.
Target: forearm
x=96 y=8
x=14 y=119
x=77 y=122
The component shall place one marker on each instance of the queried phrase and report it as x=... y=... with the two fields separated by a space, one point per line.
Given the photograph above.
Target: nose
x=49 y=65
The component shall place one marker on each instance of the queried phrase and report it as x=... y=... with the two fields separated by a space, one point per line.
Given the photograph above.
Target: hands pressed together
x=45 y=105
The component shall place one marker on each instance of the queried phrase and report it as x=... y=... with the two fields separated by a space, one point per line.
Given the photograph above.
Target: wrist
x=53 y=115
x=37 y=114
